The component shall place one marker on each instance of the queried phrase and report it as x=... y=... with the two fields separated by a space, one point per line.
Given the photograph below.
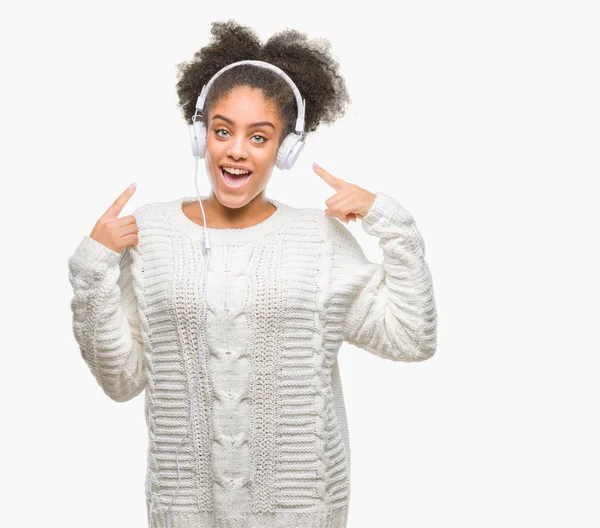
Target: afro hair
x=307 y=62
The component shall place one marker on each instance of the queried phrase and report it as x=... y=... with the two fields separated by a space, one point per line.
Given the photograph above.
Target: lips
x=232 y=181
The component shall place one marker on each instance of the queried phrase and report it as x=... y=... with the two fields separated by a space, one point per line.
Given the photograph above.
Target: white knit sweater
x=268 y=444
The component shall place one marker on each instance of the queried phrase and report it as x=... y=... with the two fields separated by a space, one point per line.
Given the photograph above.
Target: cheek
x=269 y=155
x=208 y=156
x=210 y=145
x=208 y=163
x=264 y=162
x=213 y=143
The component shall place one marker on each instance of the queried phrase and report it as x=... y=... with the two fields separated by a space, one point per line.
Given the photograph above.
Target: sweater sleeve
x=389 y=307
x=106 y=322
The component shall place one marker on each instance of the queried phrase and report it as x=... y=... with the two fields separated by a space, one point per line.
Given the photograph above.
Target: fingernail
x=132 y=186
x=315 y=165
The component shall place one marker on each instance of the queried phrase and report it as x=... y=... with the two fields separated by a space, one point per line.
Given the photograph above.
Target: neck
x=223 y=216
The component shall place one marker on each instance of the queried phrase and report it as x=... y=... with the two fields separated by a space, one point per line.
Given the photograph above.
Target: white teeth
x=235 y=171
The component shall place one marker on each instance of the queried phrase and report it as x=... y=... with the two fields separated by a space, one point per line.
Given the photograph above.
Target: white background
x=481 y=118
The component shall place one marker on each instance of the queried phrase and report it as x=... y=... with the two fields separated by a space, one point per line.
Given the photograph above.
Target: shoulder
x=155 y=214
x=152 y=220
x=311 y=219
x=329 y=228
x=149 y=209
x=335 y=234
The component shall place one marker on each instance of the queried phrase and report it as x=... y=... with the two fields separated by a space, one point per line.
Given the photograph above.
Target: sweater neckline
x=227 y=235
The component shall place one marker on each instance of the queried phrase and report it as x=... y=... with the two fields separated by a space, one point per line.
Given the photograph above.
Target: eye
x=264 y=139
x=220 y=130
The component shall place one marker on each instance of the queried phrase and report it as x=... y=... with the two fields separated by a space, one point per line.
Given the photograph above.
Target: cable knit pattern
x=268 y=445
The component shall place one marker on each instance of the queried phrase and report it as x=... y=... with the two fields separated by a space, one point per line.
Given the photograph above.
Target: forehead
x=245 y=105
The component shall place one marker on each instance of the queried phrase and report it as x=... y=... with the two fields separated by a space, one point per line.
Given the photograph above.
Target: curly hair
x=307 y=62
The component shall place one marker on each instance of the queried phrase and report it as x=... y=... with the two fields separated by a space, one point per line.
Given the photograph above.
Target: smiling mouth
x=234 y=181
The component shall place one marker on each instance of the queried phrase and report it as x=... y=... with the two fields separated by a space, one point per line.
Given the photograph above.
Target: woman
x=237 y=352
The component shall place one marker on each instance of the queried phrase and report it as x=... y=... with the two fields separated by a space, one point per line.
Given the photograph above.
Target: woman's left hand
x=349 y=202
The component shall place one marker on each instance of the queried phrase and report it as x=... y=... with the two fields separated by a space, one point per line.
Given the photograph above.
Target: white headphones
x=290 y=147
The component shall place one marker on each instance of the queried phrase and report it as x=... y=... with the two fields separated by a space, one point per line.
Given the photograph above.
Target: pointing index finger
x=117 y=206
x=330 y=179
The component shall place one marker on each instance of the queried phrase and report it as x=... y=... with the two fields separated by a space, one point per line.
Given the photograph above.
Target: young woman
x=236 y=346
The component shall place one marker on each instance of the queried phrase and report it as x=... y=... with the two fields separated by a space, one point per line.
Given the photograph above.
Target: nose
x=237 y=148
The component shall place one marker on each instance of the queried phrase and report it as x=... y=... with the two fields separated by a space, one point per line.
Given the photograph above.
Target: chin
x=233 y=201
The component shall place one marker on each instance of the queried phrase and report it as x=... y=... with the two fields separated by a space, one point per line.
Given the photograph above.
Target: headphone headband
x=299 y=102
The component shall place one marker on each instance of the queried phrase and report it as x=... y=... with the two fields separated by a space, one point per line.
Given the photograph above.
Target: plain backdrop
x=481 y=118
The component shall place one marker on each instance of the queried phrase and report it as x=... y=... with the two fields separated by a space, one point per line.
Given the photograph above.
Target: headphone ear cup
x=197 y=132
x=289 y=151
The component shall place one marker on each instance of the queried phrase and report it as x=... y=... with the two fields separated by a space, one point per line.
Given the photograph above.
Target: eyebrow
x=260 y=123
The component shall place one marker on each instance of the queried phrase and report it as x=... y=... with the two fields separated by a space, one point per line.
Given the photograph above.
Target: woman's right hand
x=113 y=232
